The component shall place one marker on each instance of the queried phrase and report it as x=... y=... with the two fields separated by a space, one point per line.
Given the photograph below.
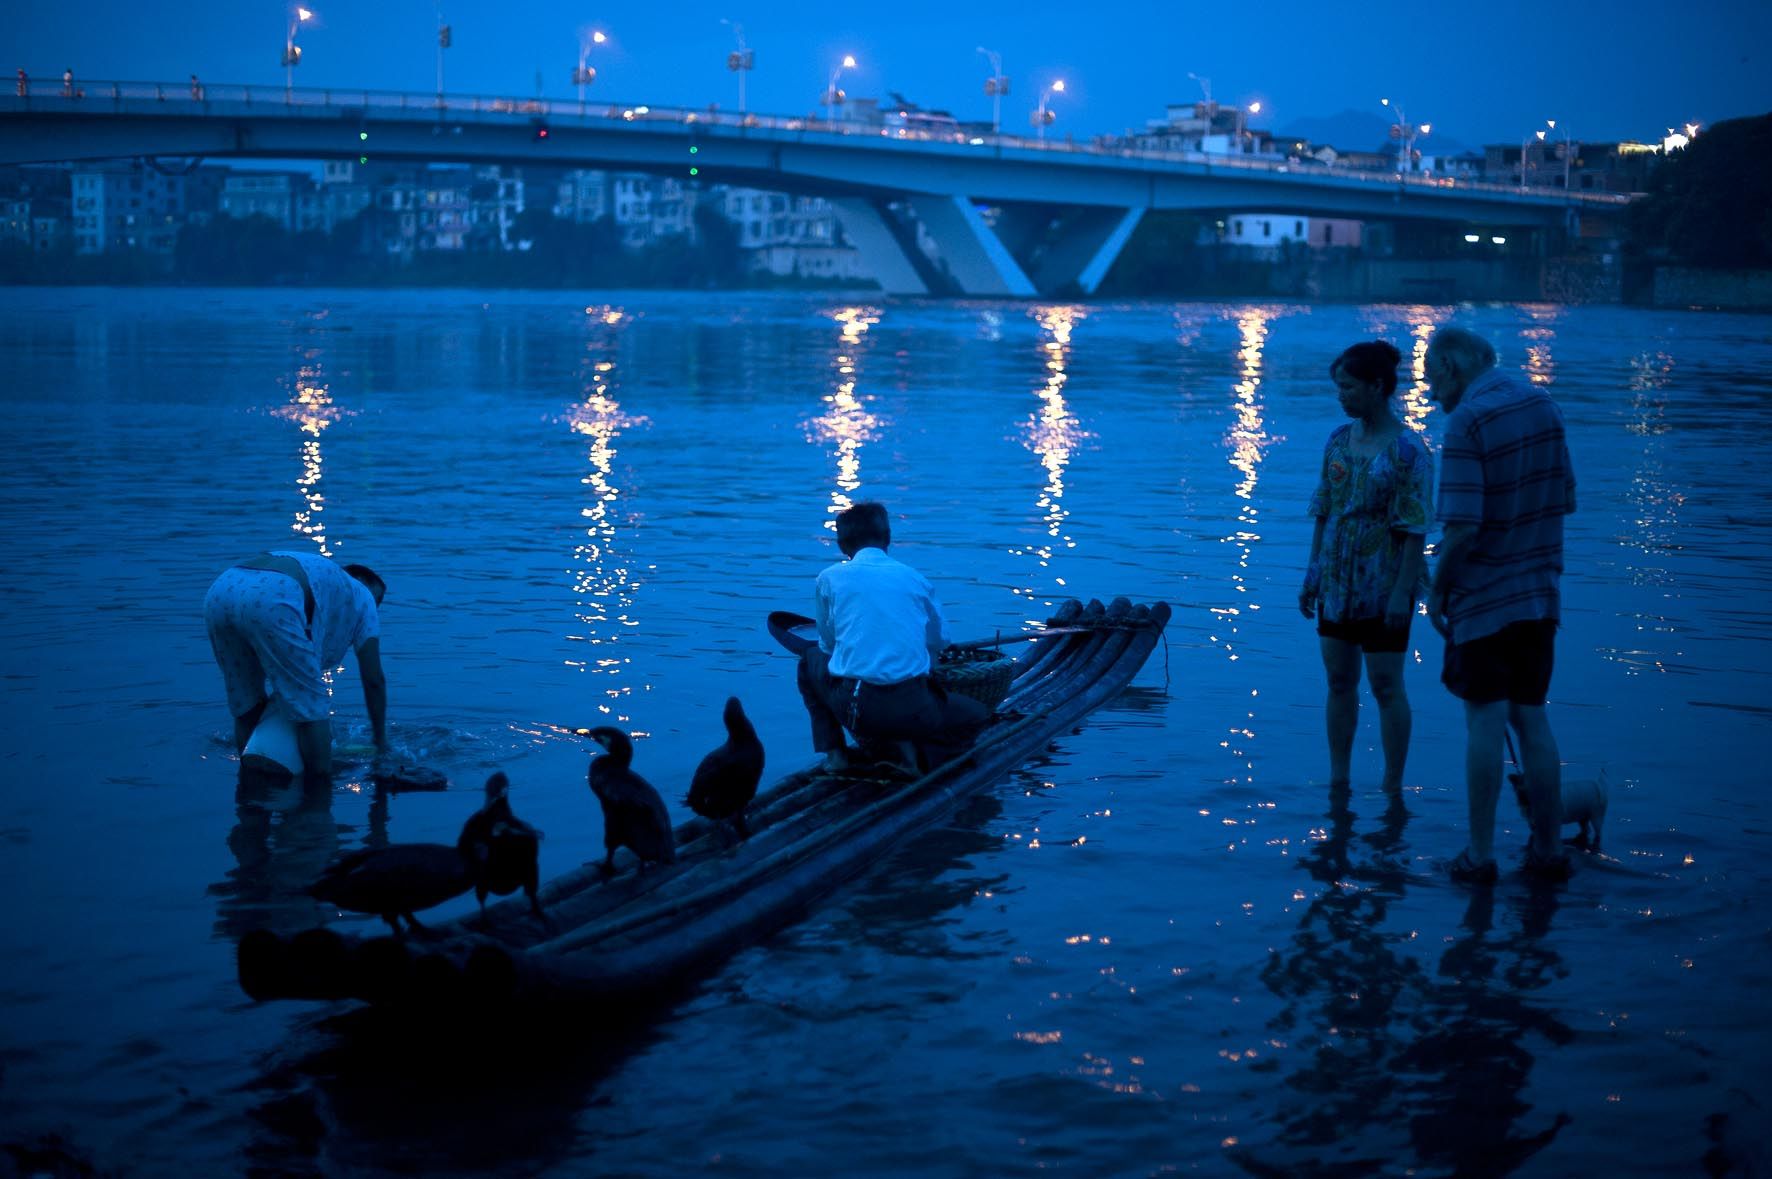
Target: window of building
x=1298 y=229
x=1237 y=228
x=1267 y=229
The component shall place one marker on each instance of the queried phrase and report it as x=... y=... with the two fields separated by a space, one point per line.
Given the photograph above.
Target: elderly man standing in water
x=286 y=618
x=1505 y=485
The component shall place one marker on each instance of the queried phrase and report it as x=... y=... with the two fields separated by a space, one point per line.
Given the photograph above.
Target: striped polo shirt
x=1505 y=467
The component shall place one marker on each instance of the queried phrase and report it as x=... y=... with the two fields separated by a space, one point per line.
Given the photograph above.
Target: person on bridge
x=24 y=83
x=1371 y=506
x=1506 y=484
x=68 y=83
x=196 y=89
x=879 y=629
x=286 y=618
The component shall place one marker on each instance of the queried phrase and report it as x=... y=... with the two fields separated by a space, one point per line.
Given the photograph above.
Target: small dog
x=1584 y=803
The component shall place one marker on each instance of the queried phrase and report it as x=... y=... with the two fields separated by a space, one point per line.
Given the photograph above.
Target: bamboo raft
x=641 y=932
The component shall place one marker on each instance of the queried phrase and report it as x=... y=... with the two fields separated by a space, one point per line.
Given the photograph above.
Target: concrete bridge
x=1010 y=216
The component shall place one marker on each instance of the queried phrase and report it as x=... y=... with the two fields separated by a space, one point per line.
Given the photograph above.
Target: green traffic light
x=693 y=149
x=362 y=135
x=695 y=171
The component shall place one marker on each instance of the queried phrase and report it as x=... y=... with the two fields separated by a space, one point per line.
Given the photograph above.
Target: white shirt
x=345 y=616
x=878 y=619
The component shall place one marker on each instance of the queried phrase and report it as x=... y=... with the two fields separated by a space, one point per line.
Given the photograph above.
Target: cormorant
x=391 y=882
x=634 y=816
x=726 y=780
x=504 y=850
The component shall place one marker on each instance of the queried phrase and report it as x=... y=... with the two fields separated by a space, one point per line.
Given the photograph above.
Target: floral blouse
x=1369 y=504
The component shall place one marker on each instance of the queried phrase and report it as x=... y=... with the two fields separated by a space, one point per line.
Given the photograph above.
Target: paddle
x=789 y=629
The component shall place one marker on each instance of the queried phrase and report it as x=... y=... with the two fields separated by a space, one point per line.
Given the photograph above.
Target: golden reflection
x=603 y=579
x=846 y=422
x=1053 y=433
x=1539 y=335
x=1420 y=321
x=1653 y=523
x=311 y=408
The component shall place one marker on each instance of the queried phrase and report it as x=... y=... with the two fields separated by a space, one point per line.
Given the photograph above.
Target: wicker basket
x=984 y=675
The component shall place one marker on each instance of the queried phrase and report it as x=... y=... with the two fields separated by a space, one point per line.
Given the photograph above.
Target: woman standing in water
x=1371 y=506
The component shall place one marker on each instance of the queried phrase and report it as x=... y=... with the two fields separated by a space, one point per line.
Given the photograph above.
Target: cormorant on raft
x=505 y=849
x=495 y=852
x=726 y=780
x=634 y=815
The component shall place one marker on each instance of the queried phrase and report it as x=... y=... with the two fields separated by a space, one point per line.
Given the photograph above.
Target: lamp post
x=1406 y=133
x=444 y=38
x=1525 y=150
x=996 y=86
x=1043 y=113
x=292 y=52
x=1253 y=108
x=1210 y=107
x=739 y=61
x=832 y=95
x=585 y=74
x=1568 y=150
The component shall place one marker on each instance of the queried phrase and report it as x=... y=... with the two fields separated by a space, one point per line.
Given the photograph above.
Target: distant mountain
x=1362 y=131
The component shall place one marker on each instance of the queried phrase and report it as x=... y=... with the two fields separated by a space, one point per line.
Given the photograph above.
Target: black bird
x=393 y=881
x=504 y=852
x=726 y=780
x=634 y=816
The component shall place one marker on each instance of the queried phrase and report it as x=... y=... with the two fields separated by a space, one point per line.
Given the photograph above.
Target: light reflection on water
x=604 y=580
x=1146 y=949
x=1052 y=432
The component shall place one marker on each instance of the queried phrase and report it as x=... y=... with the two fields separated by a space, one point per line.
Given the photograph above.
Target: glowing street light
x=1043 y=113
x=585 y=74
x=832 y=95
x=740 y=60
x=1406 y=133
x=996 y=86
x=1567 y=150
x=291 y=51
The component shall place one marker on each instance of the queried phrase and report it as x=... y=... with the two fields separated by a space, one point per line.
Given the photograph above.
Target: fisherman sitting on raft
x=879 y=631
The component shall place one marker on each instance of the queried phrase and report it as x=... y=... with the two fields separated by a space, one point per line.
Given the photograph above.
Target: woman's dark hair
x=863 y=526
x=1370 y=360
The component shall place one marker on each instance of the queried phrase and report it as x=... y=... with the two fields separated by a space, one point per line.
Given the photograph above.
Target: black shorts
x=1371 y=634
x=1513 y=664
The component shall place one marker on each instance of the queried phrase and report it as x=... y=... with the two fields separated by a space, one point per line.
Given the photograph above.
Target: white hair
x=1466 y=351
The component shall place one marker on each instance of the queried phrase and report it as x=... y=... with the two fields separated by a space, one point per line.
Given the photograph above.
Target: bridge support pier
x=973 y=255
x=887 y=246
x=1087 y=242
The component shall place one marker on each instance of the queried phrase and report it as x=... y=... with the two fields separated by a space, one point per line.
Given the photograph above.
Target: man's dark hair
x=864 y=526
x=1370 y=360
x=370 y=578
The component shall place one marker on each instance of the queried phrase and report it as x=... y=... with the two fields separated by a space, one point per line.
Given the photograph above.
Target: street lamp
x=996 y=86
x=832 y=95
x=1567 y=150
x=1043 y=113
x=739 y=61
x=1253 y=108
x=444 y=38
x=584 y=75
x=291 y=51
x=1525 y=148
x=1406 y=133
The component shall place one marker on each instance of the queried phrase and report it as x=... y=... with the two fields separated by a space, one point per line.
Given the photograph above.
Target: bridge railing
x=200 y=97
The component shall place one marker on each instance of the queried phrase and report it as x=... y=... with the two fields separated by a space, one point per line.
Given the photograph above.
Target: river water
x=1161 y=946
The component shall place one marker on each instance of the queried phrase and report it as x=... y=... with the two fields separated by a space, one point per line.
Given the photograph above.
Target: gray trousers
x=917 y=710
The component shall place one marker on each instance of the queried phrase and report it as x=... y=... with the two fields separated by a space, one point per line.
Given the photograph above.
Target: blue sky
x=1485 y=73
